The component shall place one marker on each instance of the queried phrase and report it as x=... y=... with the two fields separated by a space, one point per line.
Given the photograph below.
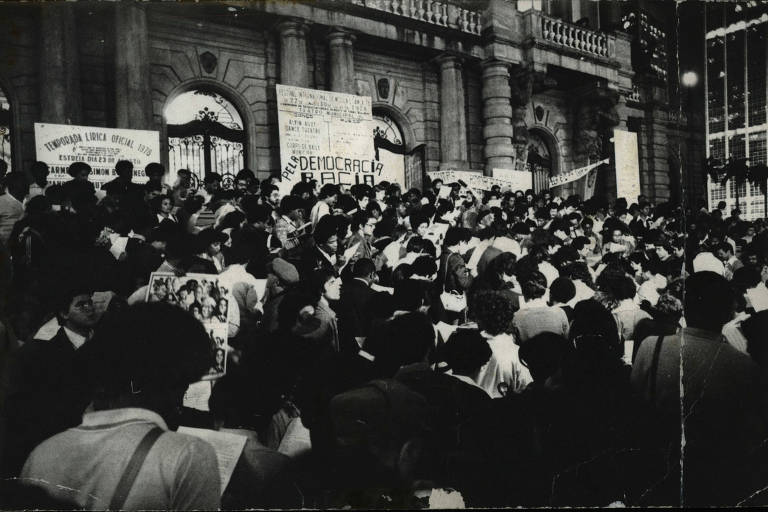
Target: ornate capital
x=339 y=36
x=293 y=27
x=449 y=61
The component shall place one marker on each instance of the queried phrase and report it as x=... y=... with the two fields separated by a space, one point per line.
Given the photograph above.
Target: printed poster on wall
x=627 y=165
x=60 y=145
x=328 y=136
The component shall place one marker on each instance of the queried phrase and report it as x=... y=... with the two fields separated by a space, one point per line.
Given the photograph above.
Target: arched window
x=539 y=161
x=205 y=135
x=5 y=130
x=399 y=165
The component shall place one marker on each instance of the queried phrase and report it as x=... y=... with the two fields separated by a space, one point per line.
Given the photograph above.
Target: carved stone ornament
x=208 y=61
x=383 y=86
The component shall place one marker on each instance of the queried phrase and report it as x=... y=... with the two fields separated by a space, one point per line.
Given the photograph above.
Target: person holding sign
x=290 y=228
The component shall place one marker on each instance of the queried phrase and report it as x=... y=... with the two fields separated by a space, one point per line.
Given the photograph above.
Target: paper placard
x=197 y=395
x=327 y=136
x=60 y=145
x=227 y=446
x=627 y=165
x=574 y=174
x=758 y=298
x=516 y=180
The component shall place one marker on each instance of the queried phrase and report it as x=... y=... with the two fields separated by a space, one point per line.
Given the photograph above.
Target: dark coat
x=47 y=393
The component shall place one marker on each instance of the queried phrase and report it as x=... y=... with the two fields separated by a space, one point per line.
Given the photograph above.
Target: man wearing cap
x=289 y=227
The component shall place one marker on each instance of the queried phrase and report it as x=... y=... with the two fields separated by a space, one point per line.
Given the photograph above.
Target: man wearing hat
x=281 y=277
x=290 y=227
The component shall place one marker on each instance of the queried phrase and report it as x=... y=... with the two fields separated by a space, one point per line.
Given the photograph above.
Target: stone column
x=453 y=118
x=133 y=96
x=294 y=69
x=60 y=97
x=497 y=116
x=341 y=61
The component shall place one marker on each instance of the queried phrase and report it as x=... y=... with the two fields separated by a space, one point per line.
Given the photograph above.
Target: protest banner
x=575 y=174
x=627 y=165
x=328 y=136
x=60 y=145
x=516 y=180
x=209 y=303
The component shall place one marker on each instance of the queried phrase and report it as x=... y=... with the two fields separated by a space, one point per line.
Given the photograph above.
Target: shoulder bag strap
x=132 y=470
x=655 y=367
x=447 y=266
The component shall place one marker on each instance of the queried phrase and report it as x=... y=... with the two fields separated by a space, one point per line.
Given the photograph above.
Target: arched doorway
x=400 y=165
x=205 y=134
x=5 y=130
x=539 y=161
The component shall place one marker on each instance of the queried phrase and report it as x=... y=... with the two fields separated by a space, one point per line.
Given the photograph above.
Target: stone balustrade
x=574 y=37
x=437 y=13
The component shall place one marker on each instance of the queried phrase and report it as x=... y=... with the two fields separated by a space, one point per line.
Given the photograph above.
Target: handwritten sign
x=326 y=136
x=575 y=174
x=627 y=165
x=517 y=180
x=60 y=145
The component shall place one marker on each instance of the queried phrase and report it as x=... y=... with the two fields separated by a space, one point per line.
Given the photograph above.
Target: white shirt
x=549 y=271
x=320 y=210
x=583 y=292
x=733 y=335
x=504 y=366
x=465 y=379
x=329 y=257
x=77 y=340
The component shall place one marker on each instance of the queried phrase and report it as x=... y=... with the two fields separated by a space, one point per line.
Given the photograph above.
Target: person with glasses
x=363 y=224
x=46 y=391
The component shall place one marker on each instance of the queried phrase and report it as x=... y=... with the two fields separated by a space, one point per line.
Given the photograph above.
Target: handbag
x=452 y=301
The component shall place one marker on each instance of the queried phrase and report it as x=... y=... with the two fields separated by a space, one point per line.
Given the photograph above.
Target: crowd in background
x=520 y=348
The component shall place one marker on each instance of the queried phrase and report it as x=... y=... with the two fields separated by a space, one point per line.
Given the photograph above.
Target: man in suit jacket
x=46 y=382
x=356 y=295
x=322 y=255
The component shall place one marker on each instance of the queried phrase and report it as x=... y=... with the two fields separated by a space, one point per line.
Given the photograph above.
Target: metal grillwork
x=206 y=137
x=5 y=130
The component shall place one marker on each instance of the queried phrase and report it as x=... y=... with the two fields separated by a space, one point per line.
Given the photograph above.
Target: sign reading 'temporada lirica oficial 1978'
x=60 y=145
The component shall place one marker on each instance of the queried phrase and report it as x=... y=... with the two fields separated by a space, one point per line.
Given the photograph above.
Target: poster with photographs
x=201 y=295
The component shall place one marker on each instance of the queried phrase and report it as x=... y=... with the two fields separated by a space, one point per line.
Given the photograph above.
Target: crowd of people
x=511 y=347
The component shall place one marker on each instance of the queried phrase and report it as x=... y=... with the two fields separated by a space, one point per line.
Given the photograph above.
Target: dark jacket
x=47 y=393
x=453 y=274
x=354 y=317
x=313 y=260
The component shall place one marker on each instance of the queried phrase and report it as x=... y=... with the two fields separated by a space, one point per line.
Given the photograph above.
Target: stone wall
x=413 y=99
x=245 y=73
x=18 y=78
x=96 y=53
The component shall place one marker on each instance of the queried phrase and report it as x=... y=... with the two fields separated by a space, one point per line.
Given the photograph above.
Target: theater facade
x=475 y=86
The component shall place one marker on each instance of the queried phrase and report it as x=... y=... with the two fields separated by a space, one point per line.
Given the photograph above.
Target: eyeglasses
x=84 y=304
